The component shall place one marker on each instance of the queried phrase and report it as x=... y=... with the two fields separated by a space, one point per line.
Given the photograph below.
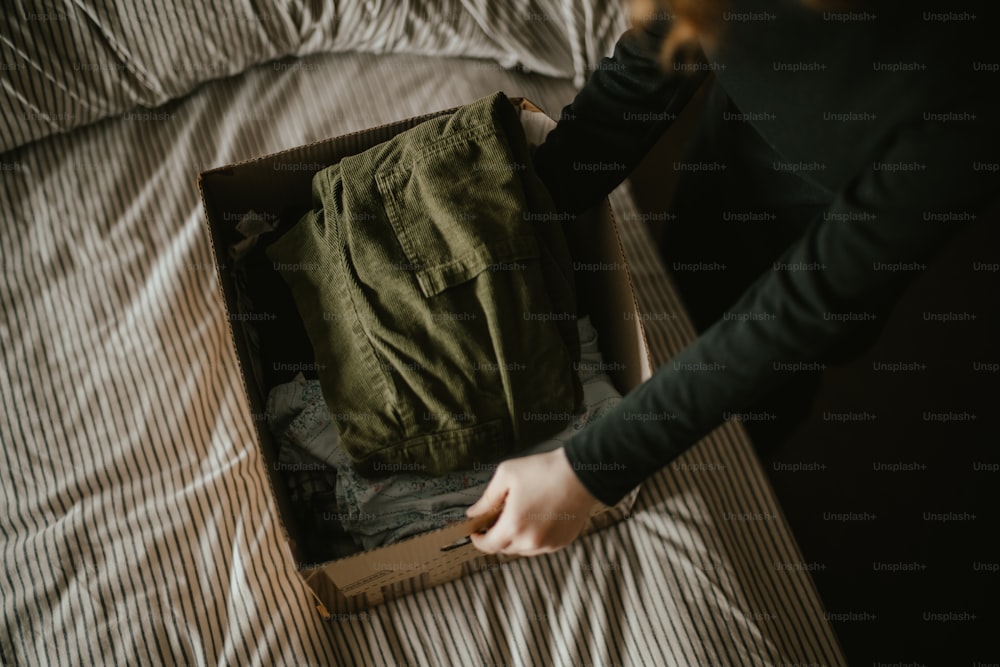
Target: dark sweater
x=877 y=111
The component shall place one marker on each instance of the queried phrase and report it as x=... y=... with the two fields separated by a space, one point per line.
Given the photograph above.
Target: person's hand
x=544 y=506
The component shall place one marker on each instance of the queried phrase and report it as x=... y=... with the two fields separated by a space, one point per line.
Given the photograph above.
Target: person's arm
x=853 y=258
x=626 y=105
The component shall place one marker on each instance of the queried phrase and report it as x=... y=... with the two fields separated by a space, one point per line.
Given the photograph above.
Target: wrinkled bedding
x=136 y=519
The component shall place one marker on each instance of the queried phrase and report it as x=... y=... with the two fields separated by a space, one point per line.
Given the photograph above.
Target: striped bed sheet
x=136 y=521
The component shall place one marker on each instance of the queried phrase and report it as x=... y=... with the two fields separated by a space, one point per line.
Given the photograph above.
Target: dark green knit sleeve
x=854 y=258
x=627 y=103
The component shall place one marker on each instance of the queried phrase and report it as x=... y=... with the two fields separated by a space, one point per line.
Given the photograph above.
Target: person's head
x=694 y=20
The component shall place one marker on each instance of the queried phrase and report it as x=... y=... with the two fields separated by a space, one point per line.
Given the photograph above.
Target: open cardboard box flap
x=277 y=189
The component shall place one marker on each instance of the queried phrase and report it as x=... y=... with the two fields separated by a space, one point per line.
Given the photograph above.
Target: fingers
x=499 y=538
x=542 y=506
x=493 y=541
x=488 y=543
x=493 y=496
x=513 y=536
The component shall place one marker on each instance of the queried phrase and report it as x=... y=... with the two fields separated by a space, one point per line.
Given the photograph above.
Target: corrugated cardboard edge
x=397 y=563
x=360 y=594
x=647 y=357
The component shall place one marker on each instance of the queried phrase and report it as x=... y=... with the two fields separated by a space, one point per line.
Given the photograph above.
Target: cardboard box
x=276 y=189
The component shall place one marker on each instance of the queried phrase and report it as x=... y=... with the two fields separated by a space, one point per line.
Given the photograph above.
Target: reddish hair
x=692 y=20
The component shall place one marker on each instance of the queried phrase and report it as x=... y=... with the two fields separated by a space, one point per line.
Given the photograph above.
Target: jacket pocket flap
x=500 y=255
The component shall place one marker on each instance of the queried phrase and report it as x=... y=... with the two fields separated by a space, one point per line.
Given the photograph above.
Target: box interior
x=272 y=346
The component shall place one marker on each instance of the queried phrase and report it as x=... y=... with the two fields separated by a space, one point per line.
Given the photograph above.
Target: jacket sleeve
x=850 y=262
x=627 y=103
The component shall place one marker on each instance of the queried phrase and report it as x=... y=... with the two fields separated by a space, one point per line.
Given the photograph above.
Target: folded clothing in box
x=437 y=292
x=381 y=511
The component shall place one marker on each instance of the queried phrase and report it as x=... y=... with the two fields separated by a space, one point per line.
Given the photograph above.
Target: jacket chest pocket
x=458 y=209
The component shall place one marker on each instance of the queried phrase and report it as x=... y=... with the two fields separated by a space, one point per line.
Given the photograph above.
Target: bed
x=136 y=521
